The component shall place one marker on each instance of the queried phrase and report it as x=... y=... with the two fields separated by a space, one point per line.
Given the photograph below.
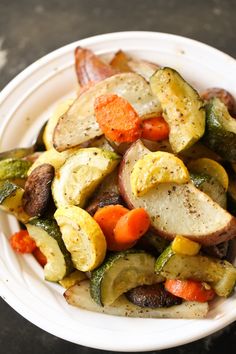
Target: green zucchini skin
x=220 y=274
x=51 y=228
x=217 y=136
x=6 y=189
x=211 y=187
x=11 y=200
x=14 y=168
x=98 y=275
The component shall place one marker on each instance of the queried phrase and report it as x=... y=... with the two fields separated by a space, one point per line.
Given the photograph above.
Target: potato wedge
x=177 y=209
x=78 y=295
x=90 y=68
x=78 y=125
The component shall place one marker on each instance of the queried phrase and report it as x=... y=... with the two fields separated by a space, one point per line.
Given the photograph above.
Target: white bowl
x=25 y=104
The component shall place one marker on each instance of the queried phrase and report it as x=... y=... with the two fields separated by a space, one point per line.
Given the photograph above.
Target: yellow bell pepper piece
x=183 y=245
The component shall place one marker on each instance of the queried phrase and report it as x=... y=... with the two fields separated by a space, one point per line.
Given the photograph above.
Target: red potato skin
x=225 y=234
x=90 y=68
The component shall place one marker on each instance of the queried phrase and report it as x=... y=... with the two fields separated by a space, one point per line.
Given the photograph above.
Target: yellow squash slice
x=82 y=236
x=211 y=168
x=157 y=167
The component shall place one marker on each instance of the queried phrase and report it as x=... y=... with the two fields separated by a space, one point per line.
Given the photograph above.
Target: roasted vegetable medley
x=130 y=204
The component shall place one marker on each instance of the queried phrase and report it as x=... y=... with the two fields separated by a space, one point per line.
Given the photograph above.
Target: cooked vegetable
x=231 y=195
x=73 y=278
x=40 y=257
x=52 y=157
x=11 y=200
x=220 y=134
x=82 y=236
x=13 y=168
x=183 y=245
x=117 y=118
x=211 y=168
x=107 y=218
x=190 y=290
x=197 y=151
x=108 y=198
x=89 y=67
x=82 y=172
x=182 y=108
x=152 y=296
x=37 y=194
x=123 y=63
x=60 y=109
x=211 y=187
x=120 y=62
x=131 y=226
x=181 y=209
x=152 y=243
x=78 y=124
x=48 y=239
x=22 y=242
x=220 y=274
x=155 y=168
x=218 y=251
x=79 y=296
x=121 y=272
x=155 y=129
x=223 y=95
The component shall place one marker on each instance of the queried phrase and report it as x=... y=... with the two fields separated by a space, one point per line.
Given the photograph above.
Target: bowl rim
x=14 y=301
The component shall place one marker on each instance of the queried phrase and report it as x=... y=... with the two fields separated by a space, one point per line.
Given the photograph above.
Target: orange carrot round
x=117 y=118
x=107 y=218
x=132 y=226
x=190 y=290
x=40 y=257
x=22 y=242
x=155 y=129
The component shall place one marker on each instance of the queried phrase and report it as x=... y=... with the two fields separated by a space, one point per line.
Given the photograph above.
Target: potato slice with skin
x=78 y=124
x=154 y=168
x=177 y=209
x=78 y=295
x=82 y=236
x=60 y=109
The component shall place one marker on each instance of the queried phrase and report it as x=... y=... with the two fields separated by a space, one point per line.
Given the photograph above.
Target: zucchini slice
x=78 y=295
x=182 y=108
x=220 y=274
x=121 y=272
x=77 y=179
x=11 y=200
x=13 y=168
x=220 y=134
x=211 y=187
x=48 y=238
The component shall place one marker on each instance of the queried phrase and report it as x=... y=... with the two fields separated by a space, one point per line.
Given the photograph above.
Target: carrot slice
x=107 y=218
x=190 y=290
x=21 y=242
x=117 y=118
x=155 y=129
x=40 y=257
x=132 y=226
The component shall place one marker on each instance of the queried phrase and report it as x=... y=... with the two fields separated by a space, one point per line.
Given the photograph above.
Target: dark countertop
x=31 y=29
